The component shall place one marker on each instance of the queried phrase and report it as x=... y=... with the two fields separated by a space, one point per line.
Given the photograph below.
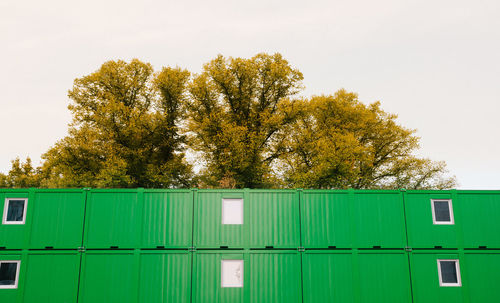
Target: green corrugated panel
x=209 y=230
x=480 y=213
x=14 y=295
x=57 y=219
x=54 y=218
x=345 y=219
x=269 y=276
x=384 y=277
x=165 y=277
x=14 y=236
x=108 y=277
x=135 y=276
x=379 y=219
x=167 y=219
x=139 y=218
x=425 y=279
x=112 y=219
x=44 y=277
x=271 y=218
x=347 y=276
x=327 y=276
x=52 y=277
x=483 y=276
x=422 y=232
x=326 y=220
x=275 y=277
x=476 y=215
x=207 y=278
x=274 y=219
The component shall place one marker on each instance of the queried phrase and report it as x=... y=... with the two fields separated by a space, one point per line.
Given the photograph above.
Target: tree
x=338 y=142
x=21 y=175
x=237 y=112
x=124 y=131
x=243 y=123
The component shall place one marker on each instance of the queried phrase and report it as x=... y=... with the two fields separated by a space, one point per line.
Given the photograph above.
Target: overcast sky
x=435 y=63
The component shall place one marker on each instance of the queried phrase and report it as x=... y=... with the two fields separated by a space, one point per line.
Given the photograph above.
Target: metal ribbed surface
x=13 y=236
x=480 y=213
x=274 y=219
x=13 y=295
x=112 y=219
x=271 y=218
x=384 y=277
x=167 y=219
x=327 y=277
x=57 y=219
x=165 y=277
x=275 y=278
x=108 y=277
x=326 y=219
x=422 y=232
x=52 y=277
x=482 y=276
x=356 y=277
x=210 y=232
x=425 y=279
x=207 y=278
x=379 y=219
x=269 y=276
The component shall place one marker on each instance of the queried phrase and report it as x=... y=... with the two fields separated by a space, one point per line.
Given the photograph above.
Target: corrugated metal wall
x=140 y=245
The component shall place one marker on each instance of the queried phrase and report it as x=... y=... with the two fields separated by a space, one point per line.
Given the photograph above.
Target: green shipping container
x=346 y=219
x=247 y=276
x=135 y=276
x=480 y=211
x=355 y=276
x=43 y=277
x=15 y=235
x=247 y=219
x=45 y=218
x=139 y=218
x=475 y=276
x=470 y=219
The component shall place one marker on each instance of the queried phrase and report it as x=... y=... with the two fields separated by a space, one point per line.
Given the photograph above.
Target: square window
x=232 y=211
x=14 y=211
x=9 y=274
x=232 y=273
x=442 y=212
x=449 y=273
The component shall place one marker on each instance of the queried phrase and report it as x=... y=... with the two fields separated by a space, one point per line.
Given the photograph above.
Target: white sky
x=435 y=63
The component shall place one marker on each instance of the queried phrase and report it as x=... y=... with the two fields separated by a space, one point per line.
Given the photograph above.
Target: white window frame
x=16 y=281
x=241 y=214
x=450 y=207
x=457 y=268
x=6 y=208
x=242 y=278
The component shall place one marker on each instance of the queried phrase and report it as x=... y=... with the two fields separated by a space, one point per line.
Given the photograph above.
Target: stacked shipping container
x=140 y=245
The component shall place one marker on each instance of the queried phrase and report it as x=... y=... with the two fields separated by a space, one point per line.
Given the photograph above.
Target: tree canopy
x=124 y=131
x=339 y=142
x=242 y=124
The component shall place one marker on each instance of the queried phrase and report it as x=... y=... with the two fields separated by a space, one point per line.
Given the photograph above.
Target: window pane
x=442 y=211
x=232 y=273
x=16 y=210
x=8 y=273
x=448 y=272
x=232 y=211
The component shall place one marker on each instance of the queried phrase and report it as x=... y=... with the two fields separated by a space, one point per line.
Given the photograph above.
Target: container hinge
x=86 y=188
x=402 y=189
x=81 y=249
x=408 y=249
x=301 y=249
x=192 y=249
